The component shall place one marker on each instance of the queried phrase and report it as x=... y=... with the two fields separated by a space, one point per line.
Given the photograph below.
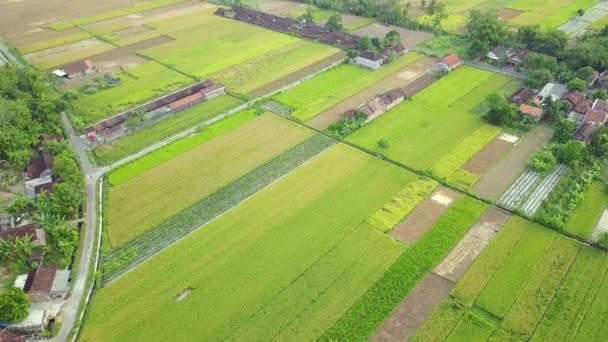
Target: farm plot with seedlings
x=438 y=114
x=538 y=12
x=156 y=194
x=138 y=84
x=530 y=283
x=579 y=23
x=175 y=124
x=292 y=269
x=584 y=218
x=333 y=86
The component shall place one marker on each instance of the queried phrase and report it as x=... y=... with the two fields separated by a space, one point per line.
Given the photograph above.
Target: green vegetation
x=585 y=217
x=471 y=328
x=441 y=322
x=175 y=124
x=61 y=25
x=136 y=8
x=329 y=88
x=156 y=158
x=47 y=44
x=537 y=11
x=139 y=84
x=430 y=116
x=169 y=188
x=71 y=56
x=14 y=305
x=446 y=44
x=361 y=23
x=361 y=320
x=307 y=260
x=402 y=204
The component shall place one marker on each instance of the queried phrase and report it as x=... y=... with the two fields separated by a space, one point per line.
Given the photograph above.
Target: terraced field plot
x=292 y=269
x=156 y=194
x=427 y=132
x=141 y=83
x=333 y=86
x=529 y=284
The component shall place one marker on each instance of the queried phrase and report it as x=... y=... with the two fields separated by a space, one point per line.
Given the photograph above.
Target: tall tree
x=14 y=305
x=484 y=29
x=334 y=23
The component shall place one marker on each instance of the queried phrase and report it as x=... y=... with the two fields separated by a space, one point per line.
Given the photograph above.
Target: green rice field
x=441 y=114
x=175 y=124
x=330 y=88
x=293 y=269
x=164 y=190
x=586 y=216
x=537 y=12
x=70 y=38
x=529 y=284
x=138 y=84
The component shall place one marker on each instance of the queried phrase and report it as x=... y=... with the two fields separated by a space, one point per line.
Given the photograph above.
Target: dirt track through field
x=399 y=79
x=455 y=265
x=483 y=161
x=414 y=310
x=425 y=215
x=494 y=183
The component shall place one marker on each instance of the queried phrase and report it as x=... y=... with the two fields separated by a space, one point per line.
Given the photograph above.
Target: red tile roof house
x=574 y=97
x=37 y=234
x=534 y=112
x=41 y=166
x=593 y=120
x=451 y=61
x=46 y=282
x=524 y=96
x=76 y=69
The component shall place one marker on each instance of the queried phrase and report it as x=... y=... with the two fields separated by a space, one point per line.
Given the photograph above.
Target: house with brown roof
x=574 y=97
x=517 y=59
x=47 y=282
x=392 y=98
x=602 y=81
x=593 y=120
x=585 y=132
x=370 y=59
x=35 y=232
x=41 y=166
x=76 y=69
x=535 y=112
x=524 y=96
x=500 y=52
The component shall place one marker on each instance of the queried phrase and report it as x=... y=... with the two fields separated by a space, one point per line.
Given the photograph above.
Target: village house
x=392 y=98
x=35 y=322
x=76 y=69
x=518 y=58
x=602 y=81
x=46 y=282
x=534 y=112
x=370 y=59
x=41 y=166
x=500 y=53
x=381 y=104
x=594 y=119
x=525 y=96
x=36 y=234
x=555 y=90
x=451 y=62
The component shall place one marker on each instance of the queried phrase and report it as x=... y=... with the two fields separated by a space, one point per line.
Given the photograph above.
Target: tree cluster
x=391 y=38
x=347 y=125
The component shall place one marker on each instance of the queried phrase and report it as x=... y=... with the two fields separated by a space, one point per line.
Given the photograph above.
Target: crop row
x=400 y=279
x=174 y=228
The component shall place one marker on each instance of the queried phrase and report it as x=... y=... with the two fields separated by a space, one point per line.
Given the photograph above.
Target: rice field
x=440 y=114
x=165 y=190
x=537 y=12
x=530 y=283
x=292 y=269
x=47 y=44
x=583 y=220
x=313 y=96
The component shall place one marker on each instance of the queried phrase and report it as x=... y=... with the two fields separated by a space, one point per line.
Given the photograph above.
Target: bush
x=543 y=161
x=577 y=84
x=384 y=143
x=14 y=305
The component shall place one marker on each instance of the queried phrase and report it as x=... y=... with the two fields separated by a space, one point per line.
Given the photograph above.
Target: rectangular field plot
x=151 y=195
x=332 y=87
x=275 y=266
x=138 y=85
x=586 y=216
x=539 y=12
x=529 y=284
x=435 y=122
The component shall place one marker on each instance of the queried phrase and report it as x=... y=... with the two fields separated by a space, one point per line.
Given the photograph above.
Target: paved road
x=70 y=308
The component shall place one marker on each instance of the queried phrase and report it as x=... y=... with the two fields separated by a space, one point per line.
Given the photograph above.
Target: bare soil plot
x=488 y=157
x=454 y=266
x=494 y=183
x=420 y=84
x=399 y=79
x=283 y=81
x=425 y=215
x=347 y=19
x=414 y=310
x=63 y=49
x=507 y=14
x=408 y=37
x=132 y=31
x=284 y=8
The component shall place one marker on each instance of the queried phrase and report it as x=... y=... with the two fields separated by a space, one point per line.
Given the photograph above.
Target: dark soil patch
x=423 y=217
x=420 y=84
x=507 y=14
x=414 y=310
x=488 y=157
